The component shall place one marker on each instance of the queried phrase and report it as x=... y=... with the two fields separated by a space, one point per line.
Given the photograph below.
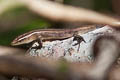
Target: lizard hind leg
x=79 y=39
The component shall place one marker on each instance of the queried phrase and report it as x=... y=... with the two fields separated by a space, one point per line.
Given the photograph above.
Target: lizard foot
x=79 y=39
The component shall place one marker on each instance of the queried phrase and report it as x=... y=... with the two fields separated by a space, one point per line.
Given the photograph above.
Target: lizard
x=42 y=35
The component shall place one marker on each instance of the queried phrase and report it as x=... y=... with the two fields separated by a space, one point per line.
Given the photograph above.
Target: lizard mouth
x=13 y=43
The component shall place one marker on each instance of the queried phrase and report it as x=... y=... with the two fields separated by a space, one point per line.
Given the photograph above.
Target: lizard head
x=23 y=39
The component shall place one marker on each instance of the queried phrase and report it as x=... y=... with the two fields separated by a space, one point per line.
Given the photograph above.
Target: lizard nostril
x=13 y=42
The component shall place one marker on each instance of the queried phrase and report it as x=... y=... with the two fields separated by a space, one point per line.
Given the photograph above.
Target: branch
x=63 y=13
x=10 y=51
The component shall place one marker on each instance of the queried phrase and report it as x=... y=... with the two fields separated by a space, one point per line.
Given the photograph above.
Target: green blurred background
x=24 y=20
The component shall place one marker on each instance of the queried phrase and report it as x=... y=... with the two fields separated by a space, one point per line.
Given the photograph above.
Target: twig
x=10 y=51
x=63 y=13
x=108 y=51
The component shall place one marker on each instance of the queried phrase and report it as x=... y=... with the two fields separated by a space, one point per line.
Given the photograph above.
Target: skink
x=42 y=35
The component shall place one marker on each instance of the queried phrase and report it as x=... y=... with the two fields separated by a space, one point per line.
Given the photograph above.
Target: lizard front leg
x=79 y=39
x=36 y=47
x=39 y=46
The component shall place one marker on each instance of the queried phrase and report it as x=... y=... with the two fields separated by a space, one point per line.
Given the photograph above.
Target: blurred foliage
x=97 y=5
x=13 y=16
x=103 y=5
x=24 y=20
